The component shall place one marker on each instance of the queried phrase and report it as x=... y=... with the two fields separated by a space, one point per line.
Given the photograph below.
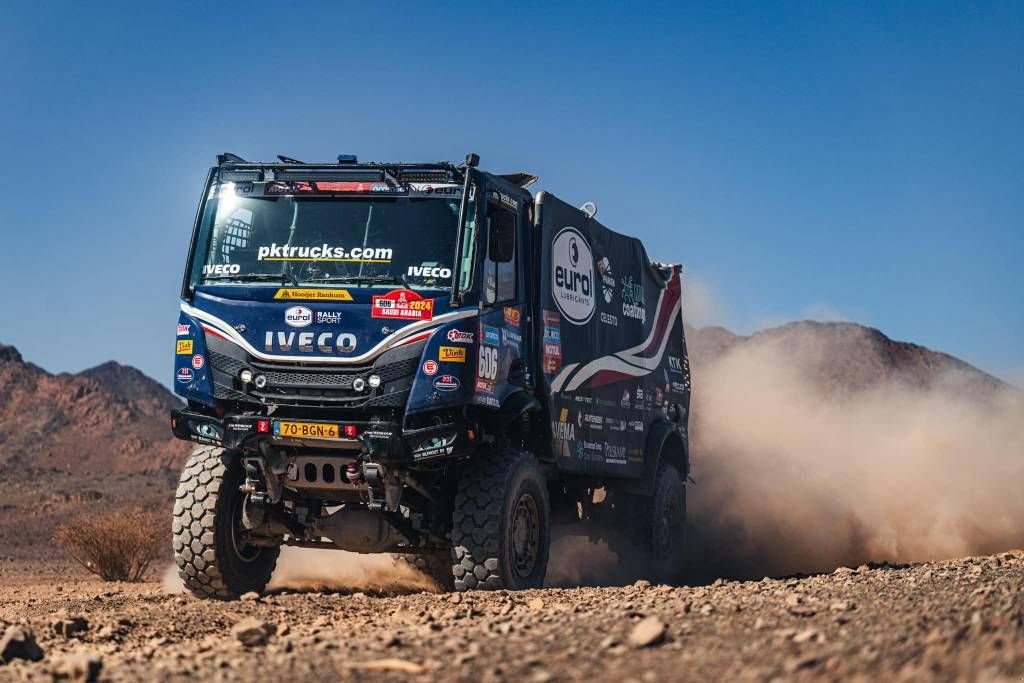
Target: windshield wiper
x=383 y=278
x=284 y=278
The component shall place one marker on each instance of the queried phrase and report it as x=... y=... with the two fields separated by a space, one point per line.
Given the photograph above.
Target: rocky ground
x=953 y=620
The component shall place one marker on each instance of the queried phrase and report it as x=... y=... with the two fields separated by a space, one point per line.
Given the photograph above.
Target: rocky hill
x=843 y=358
x=110 y=418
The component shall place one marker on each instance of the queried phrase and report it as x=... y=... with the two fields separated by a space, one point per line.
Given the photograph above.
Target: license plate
x=307 y=430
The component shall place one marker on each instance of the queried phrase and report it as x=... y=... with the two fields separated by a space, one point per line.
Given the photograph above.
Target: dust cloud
x=314 y=569
x=794 y=476
x=337 y=570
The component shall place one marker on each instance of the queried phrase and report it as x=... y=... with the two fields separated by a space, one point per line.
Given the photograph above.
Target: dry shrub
x=118 y=545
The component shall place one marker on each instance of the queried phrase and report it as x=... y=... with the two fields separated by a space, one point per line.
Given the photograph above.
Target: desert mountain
x=843 y=358
x=108 y=418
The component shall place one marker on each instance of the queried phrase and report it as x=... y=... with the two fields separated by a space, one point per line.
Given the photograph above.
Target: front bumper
x=379 y=441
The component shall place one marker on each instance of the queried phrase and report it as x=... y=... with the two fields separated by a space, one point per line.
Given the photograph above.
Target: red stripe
x=669 y=303
x=215 y=333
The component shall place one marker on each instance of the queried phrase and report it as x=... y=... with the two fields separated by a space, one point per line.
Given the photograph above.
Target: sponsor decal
x=198 y=361
x=484 y=386
x=615 y=425
x=328 y=318
x=639 y=393
x=222 y=269
x=432 y=452
x=184 y=347
x=402 y=304
x=304 y=187
x=487 y=400
x=298 y=316
x=429 y=271
x=508 y=200
x=552 y=359
x=595 y=421
x=636 y=425
x=562 y=429
x=625 y=402
x=658 y=395
x=431 y=190
x=633 y=300
x=430 y=367
x=447 y=383
x=512 y=316
x=609 y=319
x=308 y=342
x=460 y=337
x=184 y=375
x=491 y=335
x=583 y=399
x=679 y=387
x=303 y=294
x=572 y=276
x=324 y=253
x=511 y=337
x=183 y=330
x=675 y=364
x=451 y=354
x=604 y=271
x=614 y=454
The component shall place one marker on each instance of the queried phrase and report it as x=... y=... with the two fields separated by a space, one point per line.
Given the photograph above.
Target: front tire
x=214 y=560
x=501 y=529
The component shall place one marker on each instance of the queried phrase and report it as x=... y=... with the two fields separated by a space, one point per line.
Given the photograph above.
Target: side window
x=500 y=264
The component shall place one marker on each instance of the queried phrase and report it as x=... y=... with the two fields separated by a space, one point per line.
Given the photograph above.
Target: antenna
x=589 y=209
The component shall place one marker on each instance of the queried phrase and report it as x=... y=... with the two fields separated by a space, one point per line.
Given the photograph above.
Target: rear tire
x=213 y=559
x=501 y=525
x=666 y=526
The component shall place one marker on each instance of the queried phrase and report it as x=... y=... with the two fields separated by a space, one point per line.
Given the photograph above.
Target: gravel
x=952 y=620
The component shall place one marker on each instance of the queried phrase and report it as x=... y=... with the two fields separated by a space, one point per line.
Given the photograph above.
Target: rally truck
x=423 y=359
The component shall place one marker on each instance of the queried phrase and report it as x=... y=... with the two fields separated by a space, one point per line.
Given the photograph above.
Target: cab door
x=501 y=360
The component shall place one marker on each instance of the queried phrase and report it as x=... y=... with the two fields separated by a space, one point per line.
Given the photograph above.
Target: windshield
x=351 y=241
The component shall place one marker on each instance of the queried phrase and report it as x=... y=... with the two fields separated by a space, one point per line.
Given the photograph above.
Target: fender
x=661 y=434
x=514 y=405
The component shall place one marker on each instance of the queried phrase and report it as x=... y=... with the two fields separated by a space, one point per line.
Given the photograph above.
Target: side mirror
x=501 y=236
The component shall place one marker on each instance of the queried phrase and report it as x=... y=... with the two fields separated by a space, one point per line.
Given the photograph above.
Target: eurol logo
x=298 y=316
x=460 y=337
x=447 y=383
x=185 y=375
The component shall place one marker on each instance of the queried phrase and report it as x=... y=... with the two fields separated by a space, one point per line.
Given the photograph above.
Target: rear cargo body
x=611 y=347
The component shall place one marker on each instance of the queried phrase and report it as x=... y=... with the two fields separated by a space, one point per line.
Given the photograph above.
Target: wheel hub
x=524 y=535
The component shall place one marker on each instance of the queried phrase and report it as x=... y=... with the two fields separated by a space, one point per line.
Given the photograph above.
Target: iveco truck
x=423 y=359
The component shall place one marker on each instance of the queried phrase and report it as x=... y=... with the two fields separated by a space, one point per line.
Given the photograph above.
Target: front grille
x=314 y=385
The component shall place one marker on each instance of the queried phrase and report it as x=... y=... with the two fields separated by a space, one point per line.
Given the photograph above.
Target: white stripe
x=556 y=383
x=626 y=362
x=604 y=363
x=381 y=347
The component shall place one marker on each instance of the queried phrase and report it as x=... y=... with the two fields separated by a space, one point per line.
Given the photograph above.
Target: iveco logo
x=298 y=316
x=308 y=342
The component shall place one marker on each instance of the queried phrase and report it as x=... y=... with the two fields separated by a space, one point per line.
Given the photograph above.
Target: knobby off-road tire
x=437 y=564
x=664 y=520
x=212 y=558
x=501 y=523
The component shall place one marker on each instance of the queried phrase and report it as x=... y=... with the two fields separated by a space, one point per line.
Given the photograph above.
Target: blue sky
x=862 y=162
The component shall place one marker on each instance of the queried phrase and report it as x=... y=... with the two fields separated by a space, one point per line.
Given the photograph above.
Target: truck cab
x=373 y=359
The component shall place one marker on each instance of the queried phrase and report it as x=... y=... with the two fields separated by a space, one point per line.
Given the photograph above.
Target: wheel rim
x=243 y=550
x=663 y=529
x=524 y=535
